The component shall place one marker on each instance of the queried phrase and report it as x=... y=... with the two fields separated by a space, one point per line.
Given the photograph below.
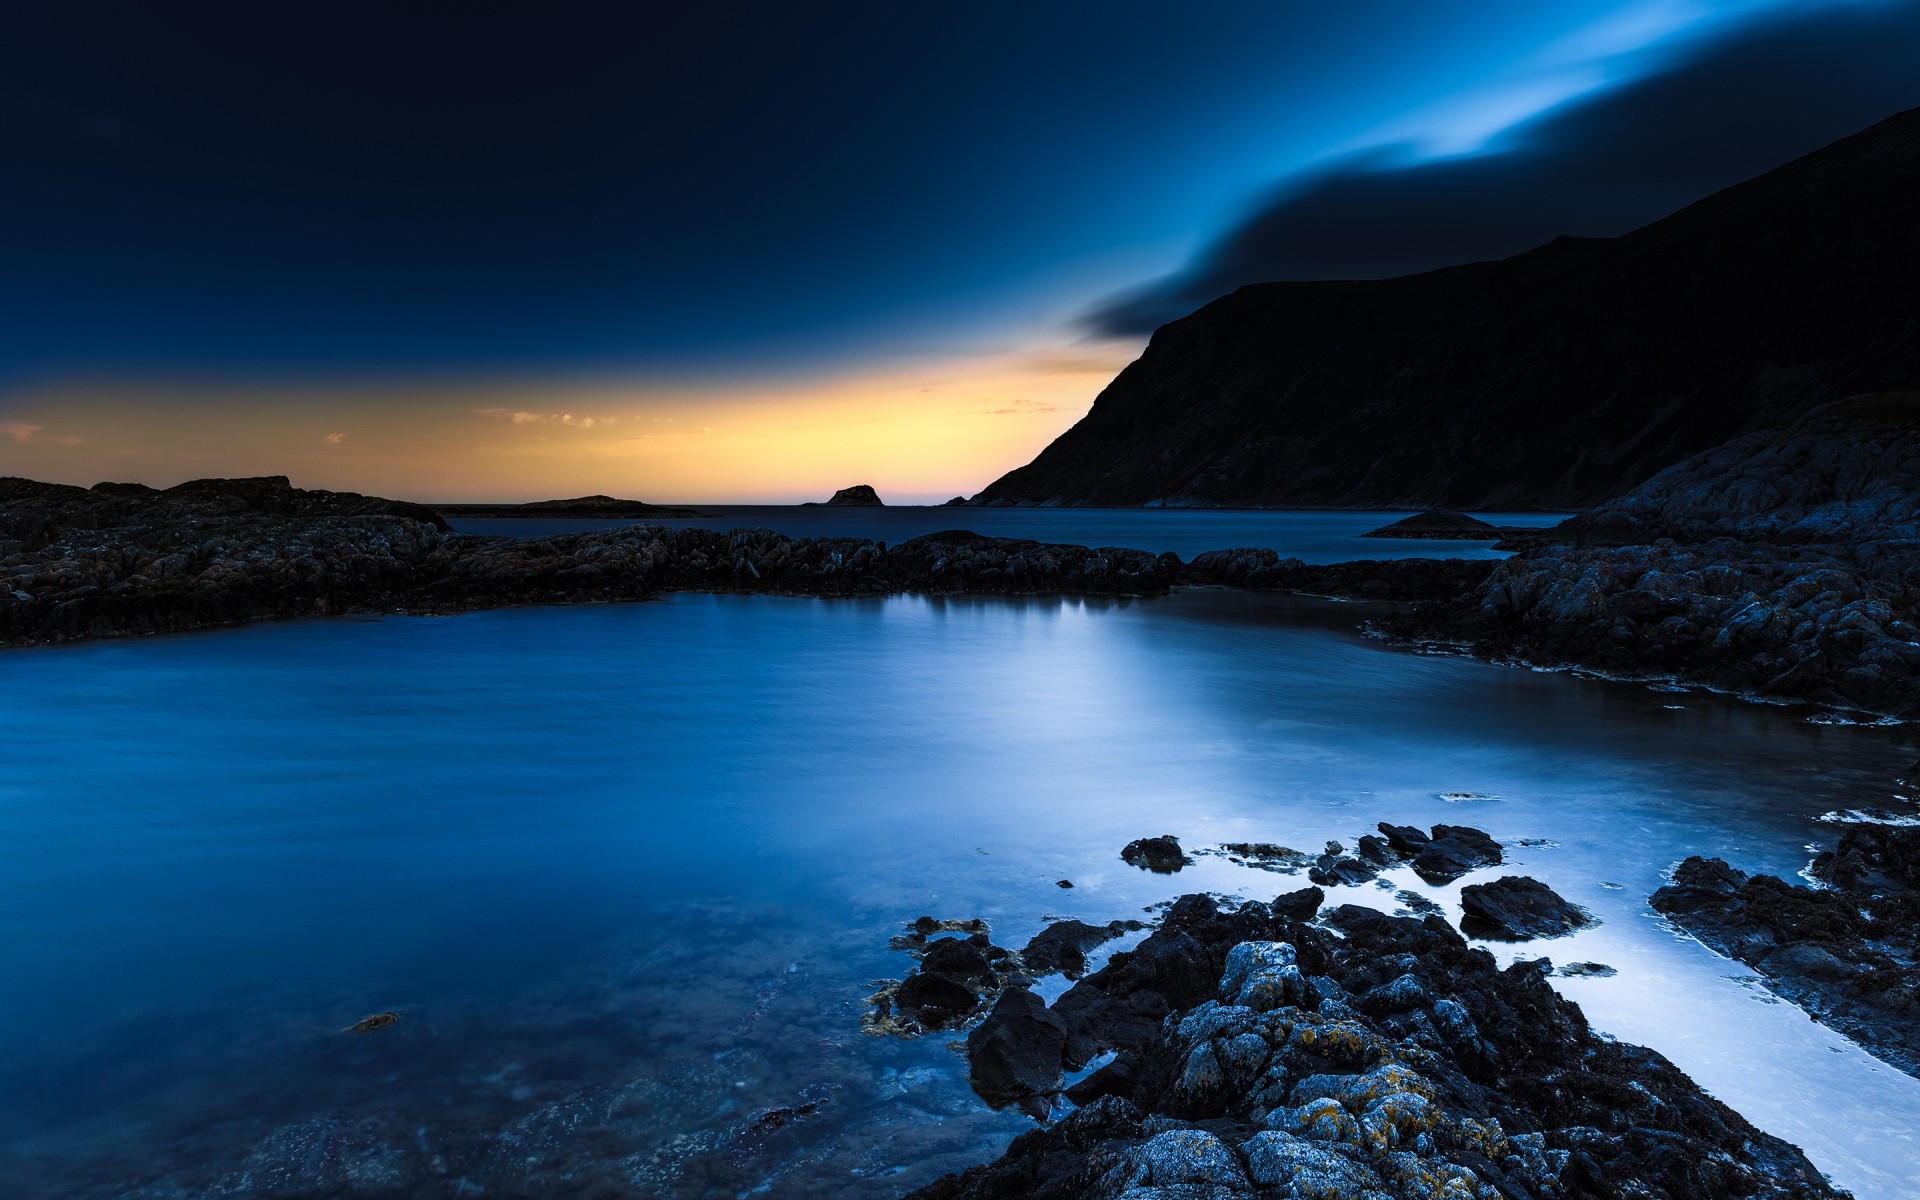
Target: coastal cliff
x=1559 y=378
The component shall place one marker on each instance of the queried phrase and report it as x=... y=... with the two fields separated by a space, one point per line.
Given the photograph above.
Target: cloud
x=20 y=431
x=1711 y=113
x=334 y=439
x=1019 y=407
x=523 y=417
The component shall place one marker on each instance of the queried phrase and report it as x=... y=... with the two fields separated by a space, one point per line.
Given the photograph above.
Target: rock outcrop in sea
x=1846 y=950
x=1261 y=1054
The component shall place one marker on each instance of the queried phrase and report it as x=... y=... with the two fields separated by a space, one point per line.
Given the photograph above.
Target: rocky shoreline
x=125 y=560
x=1273 y=1049
x=1782 y=566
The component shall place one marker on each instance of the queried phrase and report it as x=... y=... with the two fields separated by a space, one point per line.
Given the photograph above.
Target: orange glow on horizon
x=918 y=434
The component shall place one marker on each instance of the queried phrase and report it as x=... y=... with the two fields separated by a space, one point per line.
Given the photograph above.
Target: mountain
x=1554 y=379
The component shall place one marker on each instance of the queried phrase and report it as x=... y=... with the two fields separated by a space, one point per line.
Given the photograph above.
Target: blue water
x=626 y=872
x=1316 y=536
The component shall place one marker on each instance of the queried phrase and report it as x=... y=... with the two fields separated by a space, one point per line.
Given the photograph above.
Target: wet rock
x=1398 y=580
x=1445 y=854
x=1063 y=883
x=1845 y=953
x=377 y=1021
x=1298 y=905
x=1518 y=908
x=1376 y=1057
x=1063 y=945
x=1335 y=867
x=1014 y=1056
x=1161 y=855
x=1266 y=856
x=958 y=959
x=935 y=1001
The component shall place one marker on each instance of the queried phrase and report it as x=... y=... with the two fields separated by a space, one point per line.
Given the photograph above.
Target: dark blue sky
x=717 y=187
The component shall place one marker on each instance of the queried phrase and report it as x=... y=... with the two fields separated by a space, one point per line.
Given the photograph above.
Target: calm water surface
x=627 y=872
x=1313 y=535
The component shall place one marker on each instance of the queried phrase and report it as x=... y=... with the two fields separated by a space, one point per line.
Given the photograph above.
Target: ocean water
x=626 y=873
x=1316 y=536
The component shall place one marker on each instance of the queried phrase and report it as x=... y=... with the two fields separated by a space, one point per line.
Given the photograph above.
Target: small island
x=860 y=495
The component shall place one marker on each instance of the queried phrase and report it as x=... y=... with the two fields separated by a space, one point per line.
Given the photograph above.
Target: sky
x=757 y=252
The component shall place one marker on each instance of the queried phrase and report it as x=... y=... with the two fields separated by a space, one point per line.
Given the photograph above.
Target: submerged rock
x=1518 y=908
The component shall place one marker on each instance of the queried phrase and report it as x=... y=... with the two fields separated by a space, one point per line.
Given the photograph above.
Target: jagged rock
x=1518 y=908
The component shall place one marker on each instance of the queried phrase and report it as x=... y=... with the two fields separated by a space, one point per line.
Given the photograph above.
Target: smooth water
x=1315 y=535
x=626 y=872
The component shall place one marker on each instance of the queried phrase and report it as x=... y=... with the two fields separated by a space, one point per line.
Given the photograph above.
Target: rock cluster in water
x=1847 y=951
x=1259 y=1054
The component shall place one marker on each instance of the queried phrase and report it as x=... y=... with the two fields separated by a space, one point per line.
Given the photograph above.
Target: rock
x=1161 y=855
x=1063 y=883
x=1063 y=945
x=860 y=495
x=1518 y=908
x=1587 y=970
x=1335 y=867
x=81 y=563
x=1014 y=1055
x=958 y=959
x=1266 y=856
x=1376 y=1057
x=935 y=1001
x=1845 y=953
x=1452 y=851
x=1777 y=565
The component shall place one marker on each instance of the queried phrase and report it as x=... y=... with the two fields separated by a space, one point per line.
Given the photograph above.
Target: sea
x=626 y=874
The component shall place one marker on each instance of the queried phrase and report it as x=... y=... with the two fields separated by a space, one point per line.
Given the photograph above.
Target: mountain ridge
x=1558 y=378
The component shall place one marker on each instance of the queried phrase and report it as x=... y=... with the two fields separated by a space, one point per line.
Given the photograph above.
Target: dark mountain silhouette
x=1557 y=378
